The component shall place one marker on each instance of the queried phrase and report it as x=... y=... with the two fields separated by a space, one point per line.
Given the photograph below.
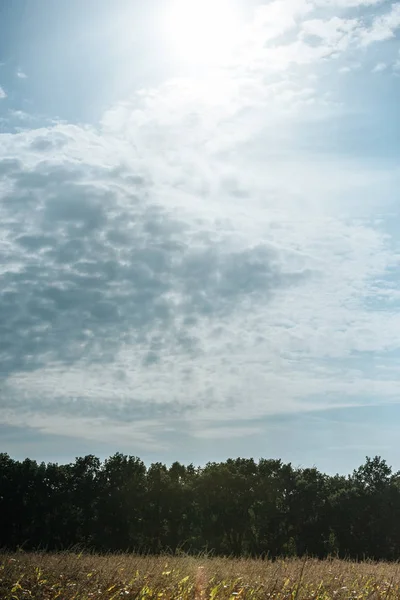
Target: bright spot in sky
x=202 y=32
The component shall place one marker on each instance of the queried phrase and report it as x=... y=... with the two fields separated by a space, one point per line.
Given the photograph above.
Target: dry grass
x=69 y=576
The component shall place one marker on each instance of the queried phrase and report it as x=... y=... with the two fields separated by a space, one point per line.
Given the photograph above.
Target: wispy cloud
x=215 y=250
x=379 y=67
x=20 y=114
x=347 y=4
x=21 y=75
x=396 y=65
x=311 y=39
x=2 y=93
x=383 y=27
x=229 y=432
x=153 y=291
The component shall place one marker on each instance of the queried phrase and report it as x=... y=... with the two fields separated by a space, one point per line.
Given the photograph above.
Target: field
x=69 y=576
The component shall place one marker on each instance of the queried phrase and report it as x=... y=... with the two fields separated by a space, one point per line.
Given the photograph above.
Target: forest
x=240 y=507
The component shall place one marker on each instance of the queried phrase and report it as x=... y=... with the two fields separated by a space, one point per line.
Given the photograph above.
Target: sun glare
x=202 y=32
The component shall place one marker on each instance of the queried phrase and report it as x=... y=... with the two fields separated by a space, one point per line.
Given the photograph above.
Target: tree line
x=240 y=507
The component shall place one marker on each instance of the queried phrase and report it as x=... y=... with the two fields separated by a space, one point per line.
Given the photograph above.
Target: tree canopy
x=238 y=507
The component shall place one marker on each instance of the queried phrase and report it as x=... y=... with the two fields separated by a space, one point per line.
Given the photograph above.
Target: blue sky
x=199 y=224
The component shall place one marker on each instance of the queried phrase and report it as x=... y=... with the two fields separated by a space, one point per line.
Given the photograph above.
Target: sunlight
x=202 y=32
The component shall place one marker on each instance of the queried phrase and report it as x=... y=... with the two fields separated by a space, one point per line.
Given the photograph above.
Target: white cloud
x=383 y=26
x=349 y=68
x=278 y=17
x=196 y=256
x=2 y=93
x=296 y=32
x=226 y=433
x=135 y=271
x=333 y=30
x=347 y=4
x=20 y=114
x=146 y=433
x=379 y=67
x=21 y=74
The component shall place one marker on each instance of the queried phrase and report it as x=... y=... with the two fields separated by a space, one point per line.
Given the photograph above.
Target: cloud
x=226 y=433
x=347 y=4
x=21 y=74
x=20 y=115
x=2 y=93
x=203 y=255
x=335 y=31
x=93 y=259
x=301 y=33
x=134 y=273
x=277 y=17
x=349 y=68
x=379 y=67
x=383 y=26
x=396 y=65
x=146 y=433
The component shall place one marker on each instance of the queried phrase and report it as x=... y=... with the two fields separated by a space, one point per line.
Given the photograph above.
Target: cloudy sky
x=199 y=229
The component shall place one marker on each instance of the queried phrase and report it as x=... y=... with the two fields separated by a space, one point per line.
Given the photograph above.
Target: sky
x=199 y=230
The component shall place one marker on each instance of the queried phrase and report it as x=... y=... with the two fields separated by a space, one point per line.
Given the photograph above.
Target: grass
x=69 y=576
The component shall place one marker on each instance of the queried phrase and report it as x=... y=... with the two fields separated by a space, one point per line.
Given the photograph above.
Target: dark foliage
x=239 y=507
